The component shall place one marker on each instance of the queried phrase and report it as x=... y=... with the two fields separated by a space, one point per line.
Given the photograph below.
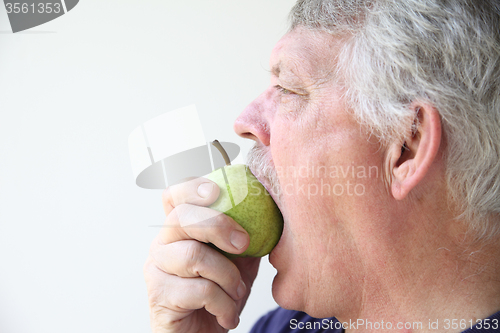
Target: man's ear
x=412 y=161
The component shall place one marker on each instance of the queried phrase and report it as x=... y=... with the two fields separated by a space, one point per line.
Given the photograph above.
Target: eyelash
x=282 y=90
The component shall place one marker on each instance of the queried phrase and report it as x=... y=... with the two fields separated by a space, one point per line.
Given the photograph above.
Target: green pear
x=245 y=200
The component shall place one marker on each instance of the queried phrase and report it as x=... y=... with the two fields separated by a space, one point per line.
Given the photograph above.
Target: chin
x=290 y=295
x=286 y=287
x=285 y=295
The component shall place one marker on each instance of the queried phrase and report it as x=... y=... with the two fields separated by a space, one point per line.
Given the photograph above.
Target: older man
x=393 y=109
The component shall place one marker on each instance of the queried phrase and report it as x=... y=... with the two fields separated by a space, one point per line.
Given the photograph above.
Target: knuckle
x=189 y=215
x=207 y=289
x=149 y=271
x=156 y=262
x=235 y=275
x=154 y=297
x=155 y=288
x=173 y=195
x=176 y=215
x=166 y=195
x=172 y=217
x=194 y=254
x=220 y=221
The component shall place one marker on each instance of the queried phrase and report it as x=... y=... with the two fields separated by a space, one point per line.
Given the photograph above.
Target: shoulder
x=287 y=321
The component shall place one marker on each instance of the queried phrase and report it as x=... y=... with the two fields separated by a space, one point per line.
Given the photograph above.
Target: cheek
x=325 y=166
x=326 y=186
x=310 y=220
x=298 y=150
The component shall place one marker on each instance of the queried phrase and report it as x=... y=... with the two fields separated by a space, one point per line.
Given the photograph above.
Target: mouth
x=265 y=182
x=261 y=164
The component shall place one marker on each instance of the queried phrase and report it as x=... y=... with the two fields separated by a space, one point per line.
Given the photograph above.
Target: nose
x=254 y=122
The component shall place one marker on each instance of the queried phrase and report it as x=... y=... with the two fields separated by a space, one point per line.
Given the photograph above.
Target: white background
x=74 y=228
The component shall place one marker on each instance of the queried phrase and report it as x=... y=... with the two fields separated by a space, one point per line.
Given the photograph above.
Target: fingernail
x=241 y=289
x=205 y=189
x=238 y=239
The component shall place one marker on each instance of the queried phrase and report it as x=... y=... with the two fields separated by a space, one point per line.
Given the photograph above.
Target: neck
x=426 y=273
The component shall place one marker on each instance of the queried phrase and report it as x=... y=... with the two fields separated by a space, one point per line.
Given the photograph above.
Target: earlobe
x=403 y=180
x=419 y=153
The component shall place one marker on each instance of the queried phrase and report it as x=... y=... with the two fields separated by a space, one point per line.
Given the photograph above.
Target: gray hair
x=445 y=52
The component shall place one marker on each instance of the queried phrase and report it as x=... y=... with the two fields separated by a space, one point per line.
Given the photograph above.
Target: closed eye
x=282 y=90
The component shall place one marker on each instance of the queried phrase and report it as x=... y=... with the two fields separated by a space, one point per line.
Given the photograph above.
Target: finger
x=197 y=191
x=190 y=258
x=183 y=294
x=205 y=293
x=171 y=299
x=205 y=225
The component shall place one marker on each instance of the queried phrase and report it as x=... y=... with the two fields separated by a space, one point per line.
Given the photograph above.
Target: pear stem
x=219 y=147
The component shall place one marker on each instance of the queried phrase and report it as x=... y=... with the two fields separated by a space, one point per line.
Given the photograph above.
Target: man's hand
x=191 y=286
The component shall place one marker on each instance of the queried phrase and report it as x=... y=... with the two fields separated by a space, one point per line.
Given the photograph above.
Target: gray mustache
x=262 y=165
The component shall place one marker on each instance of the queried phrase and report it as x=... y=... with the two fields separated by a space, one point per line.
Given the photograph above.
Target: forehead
x=305 y=53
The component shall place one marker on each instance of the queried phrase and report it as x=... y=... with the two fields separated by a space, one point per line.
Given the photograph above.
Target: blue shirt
x=288 y=321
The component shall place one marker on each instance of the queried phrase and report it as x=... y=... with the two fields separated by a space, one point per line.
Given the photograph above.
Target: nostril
x=253 y=131
x=248 y=135
x=245 y=127
x=252 y=123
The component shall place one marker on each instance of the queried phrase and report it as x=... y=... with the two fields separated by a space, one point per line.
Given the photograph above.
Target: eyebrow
x=287 y=75
x=276 y=69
